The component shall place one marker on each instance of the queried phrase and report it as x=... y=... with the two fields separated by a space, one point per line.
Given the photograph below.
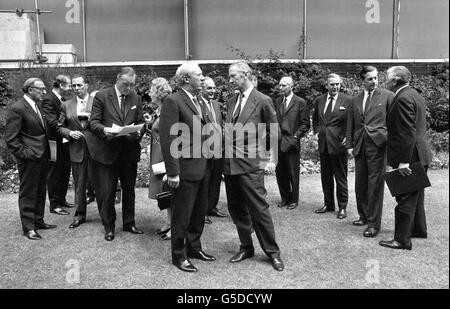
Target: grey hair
x=291 y=80
x=61 y=80
x=334 y=75
x=183 y=71
x=126 y=71
x=400 y=73
x=29 y=83
x=242 y=67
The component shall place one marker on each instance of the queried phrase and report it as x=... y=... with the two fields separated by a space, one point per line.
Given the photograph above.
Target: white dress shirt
x=244 y=99
x=328 y=101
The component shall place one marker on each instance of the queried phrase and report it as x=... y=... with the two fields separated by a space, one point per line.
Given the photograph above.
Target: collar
x=85 y=99
x=30 y=101
x=118 y=94
x=335 y=97
x=398 y=90
x=289 y=97
x=57 y=95
x=247 y=92
x=189 y=94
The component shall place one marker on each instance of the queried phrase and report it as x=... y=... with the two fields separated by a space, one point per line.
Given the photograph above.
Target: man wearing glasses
x=26 y=137
x=115 y=157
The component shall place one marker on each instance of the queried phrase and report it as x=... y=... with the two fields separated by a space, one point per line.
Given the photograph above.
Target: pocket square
x=341 y=108
x=133 y=107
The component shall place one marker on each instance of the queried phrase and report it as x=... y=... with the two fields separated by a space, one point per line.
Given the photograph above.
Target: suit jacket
x=294 y=122
x=26 y=135
x=69 y=121
x=51 y=106
x=106 y=111
x=257 y=110
x=331 y=131
x=407 y=126
x=372 y=120
x=179 y=111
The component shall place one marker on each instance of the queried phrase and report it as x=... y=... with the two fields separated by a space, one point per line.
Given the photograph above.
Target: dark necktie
x=122 y=104
x=204 y=109
x=329 y=108
x=369 y=98
x=238 y=109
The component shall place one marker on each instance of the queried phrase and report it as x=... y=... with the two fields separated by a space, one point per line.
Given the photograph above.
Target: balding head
x=397 y=77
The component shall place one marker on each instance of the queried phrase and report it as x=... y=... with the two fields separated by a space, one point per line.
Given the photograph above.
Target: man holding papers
x=406 y=144
x=115 y=157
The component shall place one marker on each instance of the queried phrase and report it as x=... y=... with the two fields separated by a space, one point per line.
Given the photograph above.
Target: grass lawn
x=319 y=251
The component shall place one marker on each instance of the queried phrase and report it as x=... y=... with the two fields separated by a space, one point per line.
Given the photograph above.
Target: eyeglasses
x=39 y=88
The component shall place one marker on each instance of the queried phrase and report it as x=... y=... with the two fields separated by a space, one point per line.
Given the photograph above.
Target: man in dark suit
x=250 y=115
x=330 y=122
x=58 y=171
x=215 y=179
x=406 y=144
x=115 y=157
x=293 y=117
x=26 y=138
x=366 y=141
x=72 y=125
x=183 y=117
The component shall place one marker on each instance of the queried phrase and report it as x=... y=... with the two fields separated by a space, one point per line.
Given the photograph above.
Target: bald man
x=293 y=117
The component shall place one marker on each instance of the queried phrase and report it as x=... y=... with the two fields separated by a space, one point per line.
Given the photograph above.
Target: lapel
x=337 y=106
x=374 y=101
x=190 y=104
x=292 y=103
x=359 y=103
x=230 y=108
x=115 y=103
x=73 y=112
x=249 y=106
x=216 y=107
x=128 y=104
x=321 y=107
x=35 y=115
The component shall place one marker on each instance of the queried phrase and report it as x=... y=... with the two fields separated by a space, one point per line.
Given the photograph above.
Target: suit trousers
x=189 y=204
x=80 y=173
x=288 y=176
x=215 y=180
x=246 y=195
x=58 y=176
x=410 y=220
x=370 y=166
x=105 y=182
x=32 y=193
x=334 y=166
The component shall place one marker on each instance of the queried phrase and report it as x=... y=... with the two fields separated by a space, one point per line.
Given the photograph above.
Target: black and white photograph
x=224 y=151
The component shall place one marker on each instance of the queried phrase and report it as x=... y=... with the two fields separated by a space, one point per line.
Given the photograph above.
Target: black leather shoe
x=208 y=220
x=109 y=236
x=32 y=234
x=59 y=211
x=201 y=255
x=342 y=213
x=282 y=204
x=68 y=205
x=76 y=223
x=186 y=265
x=133 y=230
x=394 y=245
x=242 y=255
x=217 y=214
x=323 y=210
x=277 y=263
x=292 y=206
x=359 y=222
x=370 y=232
x=90 y=199
x=44 y=226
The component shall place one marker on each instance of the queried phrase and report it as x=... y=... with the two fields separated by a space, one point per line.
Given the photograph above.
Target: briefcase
x=399 y=184
x=163 y=199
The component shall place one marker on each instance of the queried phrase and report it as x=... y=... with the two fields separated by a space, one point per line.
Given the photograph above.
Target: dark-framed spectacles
x=39 y=88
